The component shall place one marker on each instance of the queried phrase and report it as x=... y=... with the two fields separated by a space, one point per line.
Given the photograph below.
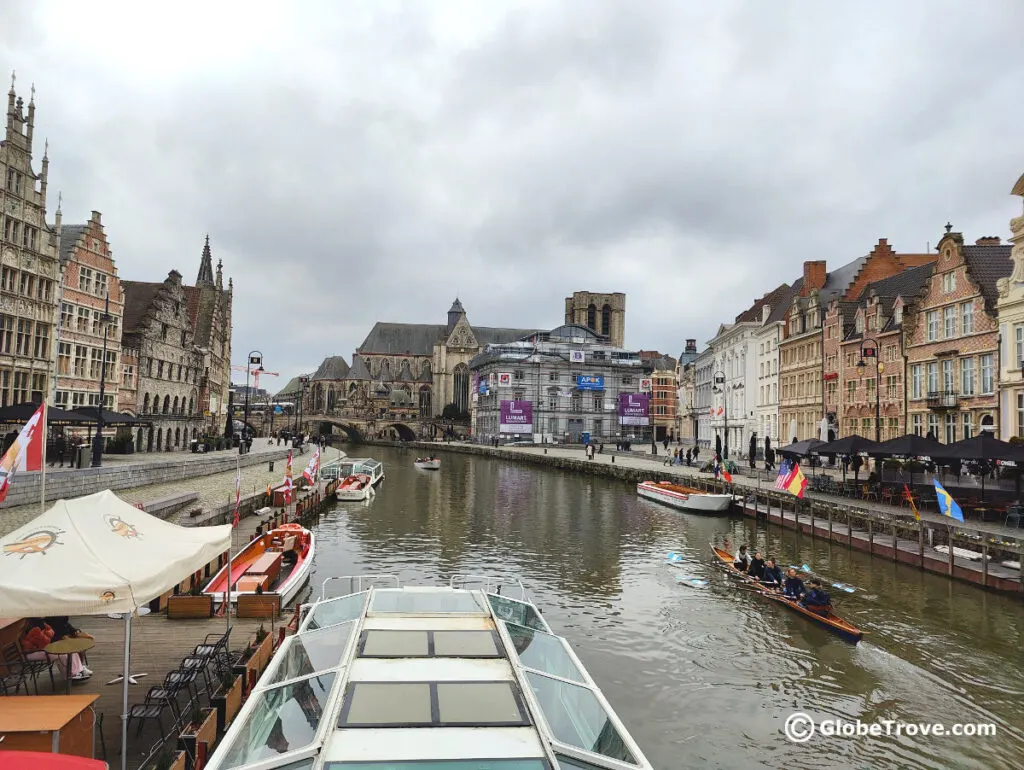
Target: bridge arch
x=405 y=433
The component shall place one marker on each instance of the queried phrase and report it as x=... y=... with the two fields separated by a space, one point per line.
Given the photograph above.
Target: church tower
x=205 y=277
x=603 y=313
x=455 y=314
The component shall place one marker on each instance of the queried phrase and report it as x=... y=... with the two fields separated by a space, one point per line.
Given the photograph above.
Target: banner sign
x=516 y=417
x=576 y=356
x=504 y=379
x=590 y=381
x=646 y=385
x=482 y=390
x=634 y=409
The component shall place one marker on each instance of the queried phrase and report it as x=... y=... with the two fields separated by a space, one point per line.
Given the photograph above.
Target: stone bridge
x=356 y=427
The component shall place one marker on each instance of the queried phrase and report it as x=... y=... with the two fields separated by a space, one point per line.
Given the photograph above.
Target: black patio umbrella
x=849 y=445
x=16 y=413
x=986 y=447
x=802 y=448
x=90 y=414
x=718 y=445
x=912 y=445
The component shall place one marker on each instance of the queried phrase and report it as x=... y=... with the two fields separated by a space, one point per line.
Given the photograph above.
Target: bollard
x=613 y=458
x=271 y=468
x=545 y=450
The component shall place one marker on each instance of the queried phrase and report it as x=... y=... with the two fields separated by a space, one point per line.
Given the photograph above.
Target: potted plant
x=194 y=604
x=201 y=729
x=247 y=666
x=227 y=700
x=264 y=648
x=169 y=760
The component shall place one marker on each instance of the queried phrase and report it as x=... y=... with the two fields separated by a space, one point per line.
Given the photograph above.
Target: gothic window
x=191 y=405
x=425 y=372
x=606 y=320
x=167 y=404
x=425 y=410
x=145 y=404
x=177 y=437
x=461 y=389
x=592 y=316
x=174 y=406
x=159 y=438
x=385 y=370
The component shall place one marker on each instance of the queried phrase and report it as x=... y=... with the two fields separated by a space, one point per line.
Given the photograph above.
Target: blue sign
x=278 y=410
x=483 y=387
x=590 y=381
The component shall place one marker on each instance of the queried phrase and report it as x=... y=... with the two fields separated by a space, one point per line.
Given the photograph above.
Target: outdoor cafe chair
x=200 y=665
x=215 y=647
x=184 y=679
x=13 y=675
x=12 y=652
x=152 y=708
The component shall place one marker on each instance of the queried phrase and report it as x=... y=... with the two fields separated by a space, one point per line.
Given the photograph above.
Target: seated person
x=36 y=636
x=62 y=629
x=816 y=599
x=756 y=567
x=793 y=587
x=290 y=558
x=772 y=574
x=742 y=559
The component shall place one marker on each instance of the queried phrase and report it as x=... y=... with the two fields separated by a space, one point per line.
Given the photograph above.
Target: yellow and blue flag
x=947 y=505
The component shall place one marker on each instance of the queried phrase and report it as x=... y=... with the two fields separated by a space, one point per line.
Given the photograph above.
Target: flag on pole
x=725 y=474
x=947 y=505
x=784 y=468
x=25 y=454
x=287 y=486
x=795 y=482
x=238 y=496
x=313 y=469
x=910 y=499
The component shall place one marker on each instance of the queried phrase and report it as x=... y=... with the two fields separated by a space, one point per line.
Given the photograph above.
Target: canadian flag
x=313 y=468
x=26 y=453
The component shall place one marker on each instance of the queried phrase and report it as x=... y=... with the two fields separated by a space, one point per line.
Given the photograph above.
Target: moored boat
x=428 y=463
x=449 y=677
x=823 y=616
x=352 y=466
x=358 y=486
x=684 y=498
x=279 y=561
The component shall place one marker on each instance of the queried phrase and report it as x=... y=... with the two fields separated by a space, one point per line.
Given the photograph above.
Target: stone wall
x=67 y=483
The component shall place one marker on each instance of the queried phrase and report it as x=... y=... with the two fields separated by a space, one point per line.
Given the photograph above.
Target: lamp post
x=255 y=359
x=97 y=443
x=303 y=381
x=867 y=351
x=720 y=380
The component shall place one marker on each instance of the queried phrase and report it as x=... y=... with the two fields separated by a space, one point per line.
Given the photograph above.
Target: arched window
x=330 y=399
x=425 y=410
x=174 y=406
x=145 y=404
x=167 y=405
x=460 y=392
x=606 y=320
x=159 y=438
x=177 y=437
x=191 y=406
x=425 y=372
x=592 y=315
x=167 y=440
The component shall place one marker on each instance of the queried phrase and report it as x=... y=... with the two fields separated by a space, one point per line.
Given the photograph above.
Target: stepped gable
x=69 y=236
x=906 y=284
x=138 y=298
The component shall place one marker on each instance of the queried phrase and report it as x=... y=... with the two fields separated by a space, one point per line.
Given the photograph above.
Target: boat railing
x=355 y=582
x=492 y=584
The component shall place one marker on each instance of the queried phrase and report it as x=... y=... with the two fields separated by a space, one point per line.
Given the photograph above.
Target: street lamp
x=868 y=351
x=255 y=359
x=720 y=380
x=97 y=443
x=303 y=382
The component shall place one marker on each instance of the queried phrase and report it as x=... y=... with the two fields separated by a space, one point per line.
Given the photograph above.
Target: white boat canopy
x=98 y=554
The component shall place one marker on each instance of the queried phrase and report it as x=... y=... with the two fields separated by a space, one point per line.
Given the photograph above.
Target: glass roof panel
x=394 y=644
x=544 y=652
x=466 y=644
x=478 y=703
x=517 y=612
x=387 y=703
x=444 y=764
x=334 y=611
x=576 y=718
x=434 y=602
x=569 y=763
x=309 y=652
x=282 y=719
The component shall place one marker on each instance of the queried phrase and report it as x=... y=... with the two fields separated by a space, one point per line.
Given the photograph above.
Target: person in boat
x=793 y=587
x=742 y=559
x=772 y=574
x=816 y=599
x=756 y=567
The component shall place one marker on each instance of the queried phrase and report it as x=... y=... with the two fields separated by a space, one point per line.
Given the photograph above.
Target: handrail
x=356 y=582
x=490 y=581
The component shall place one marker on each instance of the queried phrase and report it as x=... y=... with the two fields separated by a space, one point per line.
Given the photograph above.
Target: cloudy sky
x=356 y=162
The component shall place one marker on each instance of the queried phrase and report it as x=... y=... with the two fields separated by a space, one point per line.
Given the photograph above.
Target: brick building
x=664 y=397
x=89 y=280
x=1011 y=328
x=951 y=340
x=30 y=274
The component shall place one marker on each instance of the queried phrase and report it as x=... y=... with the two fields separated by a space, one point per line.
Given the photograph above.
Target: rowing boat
x=684 y=498
x=823 y=616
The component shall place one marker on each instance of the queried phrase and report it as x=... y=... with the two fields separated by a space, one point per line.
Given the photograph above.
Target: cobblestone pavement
x=213 y=489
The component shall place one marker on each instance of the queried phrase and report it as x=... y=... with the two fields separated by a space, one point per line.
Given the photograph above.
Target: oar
x=807 y=570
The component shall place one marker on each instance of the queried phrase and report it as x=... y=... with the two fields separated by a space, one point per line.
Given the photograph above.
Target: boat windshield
x=447 y=764
x=438 y=601
x=334 y=611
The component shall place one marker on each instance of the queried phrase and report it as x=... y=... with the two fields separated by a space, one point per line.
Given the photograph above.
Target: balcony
x=943 y=399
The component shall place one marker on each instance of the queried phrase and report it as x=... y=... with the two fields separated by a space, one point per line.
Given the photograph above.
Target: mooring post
x=984 y=564
x=920 y=545
x=895 y=541
x=949 y=540
x=831 y=510
x=871 y=536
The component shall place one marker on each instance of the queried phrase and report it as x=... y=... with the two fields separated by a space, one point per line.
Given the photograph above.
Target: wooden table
x=69 y=647
x=268 y=564
x=250 y=582
x=50 y=723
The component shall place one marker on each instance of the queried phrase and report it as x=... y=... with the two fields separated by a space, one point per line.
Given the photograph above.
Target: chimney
x=691 y=346
x=814 y=276
x=766 y=311
x=988 y=240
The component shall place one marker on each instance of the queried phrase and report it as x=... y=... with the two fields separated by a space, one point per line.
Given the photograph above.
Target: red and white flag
x=287 y=486
x=238 y=496
x=313 y=469
x=26 y=453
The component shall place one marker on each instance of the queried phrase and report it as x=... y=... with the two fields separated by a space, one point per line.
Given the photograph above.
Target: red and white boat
x=358 y=486
x=277 y=562
x=684 y=498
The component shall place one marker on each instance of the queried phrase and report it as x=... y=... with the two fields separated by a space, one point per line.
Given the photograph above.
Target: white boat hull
x=428 y=465
x=296 y=580
x=354 y=495
x=692 y=503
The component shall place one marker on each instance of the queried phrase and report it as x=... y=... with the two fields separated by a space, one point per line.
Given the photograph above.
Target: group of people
x=38 y=633
x=768 y=573
x=680 y=457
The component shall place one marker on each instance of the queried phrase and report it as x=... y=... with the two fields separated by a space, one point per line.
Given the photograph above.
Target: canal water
x=704 y=678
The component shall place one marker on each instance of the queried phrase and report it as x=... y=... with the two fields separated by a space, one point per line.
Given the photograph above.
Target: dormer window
x=859 y=324
x=897 y=314
x=949 y=282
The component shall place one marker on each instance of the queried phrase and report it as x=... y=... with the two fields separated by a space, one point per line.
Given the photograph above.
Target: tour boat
x=428 y=463
x=352 y=466
x=356 y=487
x=263 y=564
x=457 y=676
x=684 y=498
x=823 y=616
x=331 y=470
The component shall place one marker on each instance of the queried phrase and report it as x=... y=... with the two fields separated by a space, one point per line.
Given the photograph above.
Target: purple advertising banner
x=634 y=409
x=516 y=417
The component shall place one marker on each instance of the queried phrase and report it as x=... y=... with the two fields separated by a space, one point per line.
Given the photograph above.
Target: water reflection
x=704 y=677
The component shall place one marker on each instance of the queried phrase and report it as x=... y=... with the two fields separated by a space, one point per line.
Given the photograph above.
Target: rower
x=772 y=574
x=816 y=599
x=793 y=587
x=742 y=559
x=756 y=568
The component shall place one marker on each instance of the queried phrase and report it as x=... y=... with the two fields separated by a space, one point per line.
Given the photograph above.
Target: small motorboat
x=277 y=562
x=684 y=498
x=428 y=463
x=358 y=486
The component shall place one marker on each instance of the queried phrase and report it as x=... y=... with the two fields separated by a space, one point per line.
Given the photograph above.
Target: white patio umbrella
x=97 y=555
